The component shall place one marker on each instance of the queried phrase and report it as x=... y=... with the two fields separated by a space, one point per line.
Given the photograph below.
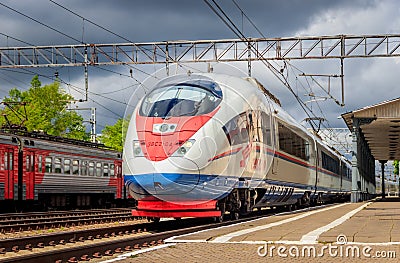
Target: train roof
x=47 y=137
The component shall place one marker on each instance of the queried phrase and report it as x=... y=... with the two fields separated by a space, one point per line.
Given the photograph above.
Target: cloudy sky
x=367 y=81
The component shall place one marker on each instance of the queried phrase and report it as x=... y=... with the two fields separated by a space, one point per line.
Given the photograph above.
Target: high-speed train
x=200 y=145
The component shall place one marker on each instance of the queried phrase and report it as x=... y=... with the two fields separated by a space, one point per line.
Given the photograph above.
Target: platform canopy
x=380 y=127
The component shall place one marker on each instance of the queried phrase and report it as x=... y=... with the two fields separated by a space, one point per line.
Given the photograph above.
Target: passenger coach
x=42 y=171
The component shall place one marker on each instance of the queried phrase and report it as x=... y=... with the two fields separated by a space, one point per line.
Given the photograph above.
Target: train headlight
x=137 y=149
x=184 y=148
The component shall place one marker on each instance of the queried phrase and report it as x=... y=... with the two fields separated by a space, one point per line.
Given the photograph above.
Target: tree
x=396 y=167
x=114 y=135
x=43 y=108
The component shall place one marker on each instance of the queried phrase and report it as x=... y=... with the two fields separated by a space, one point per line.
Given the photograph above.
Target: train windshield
x=184 y=99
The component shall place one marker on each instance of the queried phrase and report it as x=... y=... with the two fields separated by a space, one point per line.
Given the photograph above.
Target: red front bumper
x=179 y=209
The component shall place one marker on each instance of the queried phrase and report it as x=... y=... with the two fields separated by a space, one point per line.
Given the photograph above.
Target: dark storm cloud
x=148 y=21
x=142 y=21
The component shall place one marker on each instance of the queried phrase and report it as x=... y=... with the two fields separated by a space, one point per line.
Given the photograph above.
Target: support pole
x=86 y=74
x=355 y=192
x=383 y=177
x=93 y=124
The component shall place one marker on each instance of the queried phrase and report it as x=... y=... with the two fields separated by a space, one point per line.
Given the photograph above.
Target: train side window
x=105 y=170
x=6 y=166
x=40 y=165
x=119 y=171
x=292 y=143
x=67 y=166
x=91 y=168
x=75 y=166
x=57 y=165
x=84 y=168
x=28 y=163
x=49 y=165
x=98 y=168
x=11 y=161
x=112 y=170
x=329 y=163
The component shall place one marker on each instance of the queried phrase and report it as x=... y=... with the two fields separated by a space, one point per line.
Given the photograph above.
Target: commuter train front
x=187 y=144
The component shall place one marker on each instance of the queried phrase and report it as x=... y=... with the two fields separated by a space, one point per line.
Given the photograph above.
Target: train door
x=9 y=173
x=120 y=181
x=30 y=174
x=275 y=143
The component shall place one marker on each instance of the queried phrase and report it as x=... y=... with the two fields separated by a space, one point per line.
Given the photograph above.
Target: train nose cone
x=168 y=180
x=183 y=179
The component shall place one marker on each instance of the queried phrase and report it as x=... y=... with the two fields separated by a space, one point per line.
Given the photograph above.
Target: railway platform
x=350 y=232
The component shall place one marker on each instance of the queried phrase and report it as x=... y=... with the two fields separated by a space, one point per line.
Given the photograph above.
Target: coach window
x=292 y=143
x=329 y=163
x=40 y=165
x=98 y=169
x=91 y=168
x=84 y=168
x=57 y=165
x=112 y=170
x=105 y=170
x=28 y=163
x=49 y=165
x=67 y=166
x=119 y=171
x=8 y=160
x=75 y=166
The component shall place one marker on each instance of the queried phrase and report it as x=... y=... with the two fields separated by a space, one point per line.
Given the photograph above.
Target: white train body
x=216 y=142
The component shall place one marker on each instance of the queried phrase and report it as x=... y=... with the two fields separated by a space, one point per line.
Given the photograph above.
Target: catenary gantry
x=224 y=50
x=376 y=136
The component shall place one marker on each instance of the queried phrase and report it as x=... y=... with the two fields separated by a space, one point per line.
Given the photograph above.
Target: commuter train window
x=84 y=168
x=105 y=170
x=112 y=170
x=190 y=98
x=67 y=166
x=40 y=164
x=57 y=165
x=98 y=168
x=237 y=129
x=292 y=143
x=91 y=168
x=8 y=160
x=28 y=163
x=119 y=170
x=49 y=165
x=75 y=166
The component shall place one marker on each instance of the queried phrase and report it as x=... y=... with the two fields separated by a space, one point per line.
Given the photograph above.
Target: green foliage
x=114 y=135
x=396 y=167
x=46 y=110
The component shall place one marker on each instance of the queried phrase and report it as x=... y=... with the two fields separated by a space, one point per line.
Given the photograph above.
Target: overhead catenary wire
x=238 y=33
x=99 y=26
x=91 y=22
x=43 y=24
x=277 y=73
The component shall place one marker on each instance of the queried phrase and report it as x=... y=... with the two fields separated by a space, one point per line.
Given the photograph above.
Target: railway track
x=84 y=245
x=10 y=223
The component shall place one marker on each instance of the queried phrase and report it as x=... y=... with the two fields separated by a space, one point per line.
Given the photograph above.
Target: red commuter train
x=39 y=171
